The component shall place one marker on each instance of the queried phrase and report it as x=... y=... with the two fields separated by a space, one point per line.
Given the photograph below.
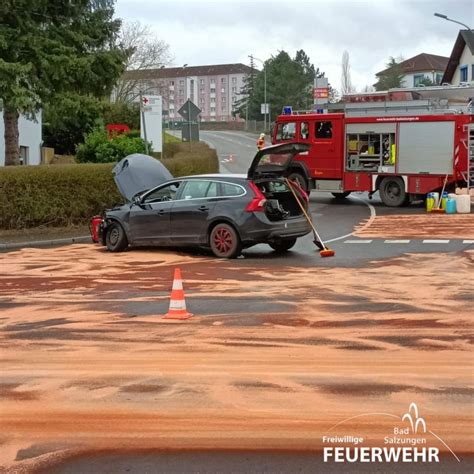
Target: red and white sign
x=321 y=93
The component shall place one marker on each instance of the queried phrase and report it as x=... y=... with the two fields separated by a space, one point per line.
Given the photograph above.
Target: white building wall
x=408 y=80
x=466 y=59
x=30 y=137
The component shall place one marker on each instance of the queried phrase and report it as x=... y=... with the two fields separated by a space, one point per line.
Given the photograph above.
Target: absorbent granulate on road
x=89 y=365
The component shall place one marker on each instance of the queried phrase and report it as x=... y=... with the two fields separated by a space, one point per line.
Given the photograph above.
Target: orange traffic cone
x=177 y=308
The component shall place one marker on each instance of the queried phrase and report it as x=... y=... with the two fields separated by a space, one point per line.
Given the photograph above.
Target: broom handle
x=442 y=191
x=304 y=211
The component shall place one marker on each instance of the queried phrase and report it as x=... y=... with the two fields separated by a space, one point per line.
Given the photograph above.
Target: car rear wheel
x=392 y=192
x=224 y=241
x=116 y=240
x=282 y=245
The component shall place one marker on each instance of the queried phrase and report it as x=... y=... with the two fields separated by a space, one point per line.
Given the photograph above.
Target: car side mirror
x=137 y=200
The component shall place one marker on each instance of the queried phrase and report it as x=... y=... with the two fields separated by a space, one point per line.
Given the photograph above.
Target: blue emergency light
x=287 y=110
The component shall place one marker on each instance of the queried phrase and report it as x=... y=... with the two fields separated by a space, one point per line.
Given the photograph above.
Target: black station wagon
x=223 y=212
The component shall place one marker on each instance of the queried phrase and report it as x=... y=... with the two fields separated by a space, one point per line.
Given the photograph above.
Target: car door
x=189 y=216
x=150 y=217
x=327 y=149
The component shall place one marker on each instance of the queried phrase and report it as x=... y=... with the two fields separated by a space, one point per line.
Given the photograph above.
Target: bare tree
x=346 y=83
x=368 y=89
x=144 y=52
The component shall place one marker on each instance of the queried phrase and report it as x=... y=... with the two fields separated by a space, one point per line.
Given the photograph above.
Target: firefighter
x=261 y=141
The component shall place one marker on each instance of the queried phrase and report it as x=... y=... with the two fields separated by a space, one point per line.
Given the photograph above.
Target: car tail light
x=257 y=203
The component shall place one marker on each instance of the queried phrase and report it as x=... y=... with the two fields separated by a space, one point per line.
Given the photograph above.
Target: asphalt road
x=335 y=221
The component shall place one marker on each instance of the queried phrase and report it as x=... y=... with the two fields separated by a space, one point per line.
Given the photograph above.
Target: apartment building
x=214 y=89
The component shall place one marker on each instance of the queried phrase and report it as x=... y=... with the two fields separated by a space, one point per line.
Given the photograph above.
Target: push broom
x=324 y=251
x=438 y=209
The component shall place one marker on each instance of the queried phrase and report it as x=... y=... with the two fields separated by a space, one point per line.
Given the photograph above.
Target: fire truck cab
x=402 y=149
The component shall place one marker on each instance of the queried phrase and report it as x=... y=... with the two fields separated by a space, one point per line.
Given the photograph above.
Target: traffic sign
x=189 y=110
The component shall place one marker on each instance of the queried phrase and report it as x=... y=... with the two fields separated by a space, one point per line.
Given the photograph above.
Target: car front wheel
x=224 y=241
x=116 y=240
x=282 y=245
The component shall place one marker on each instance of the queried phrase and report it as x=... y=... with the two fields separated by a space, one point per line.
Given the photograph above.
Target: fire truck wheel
x=116 y=240
x=392 y=192
x=341 y=196
x=300 y=179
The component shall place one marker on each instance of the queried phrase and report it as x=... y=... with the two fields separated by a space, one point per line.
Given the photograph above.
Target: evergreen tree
x=290 y=81
x=391 y=77
x=54 y=46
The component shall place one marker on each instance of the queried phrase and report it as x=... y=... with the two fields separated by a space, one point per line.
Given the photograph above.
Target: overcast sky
x=227 y=31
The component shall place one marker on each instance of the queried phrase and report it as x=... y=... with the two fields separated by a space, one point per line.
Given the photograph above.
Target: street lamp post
x=444 y=17
x=264 y=91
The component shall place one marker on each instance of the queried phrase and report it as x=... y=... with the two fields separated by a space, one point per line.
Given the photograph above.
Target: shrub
x=32 y=196
x=97 y=148
x=55 y=195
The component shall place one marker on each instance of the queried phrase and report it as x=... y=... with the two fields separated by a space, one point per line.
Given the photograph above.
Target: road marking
x=358 y=241
x=434 y=241
x=397 y=241
x=372 y=217
x=468 y=241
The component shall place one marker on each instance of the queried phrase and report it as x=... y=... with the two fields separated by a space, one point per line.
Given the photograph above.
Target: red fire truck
x=403 y=149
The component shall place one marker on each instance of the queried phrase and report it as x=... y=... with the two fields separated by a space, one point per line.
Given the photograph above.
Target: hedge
x=62 y=195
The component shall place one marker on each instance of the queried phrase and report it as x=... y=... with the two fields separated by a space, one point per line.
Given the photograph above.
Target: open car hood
x=275 y=160
x=137 y=173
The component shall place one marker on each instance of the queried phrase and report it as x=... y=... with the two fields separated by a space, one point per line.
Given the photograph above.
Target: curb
x=45 y=243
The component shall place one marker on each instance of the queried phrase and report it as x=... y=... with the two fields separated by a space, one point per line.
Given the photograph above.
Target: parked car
x=223 y=212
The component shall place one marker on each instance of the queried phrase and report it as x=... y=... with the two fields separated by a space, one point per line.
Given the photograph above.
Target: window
x=234 y=80
x=439 y=76
x=213 y=81
x=181 y=92
x=223 y=108
x=286 y=131
x=223 y=90
x=418 y=79
x=213 y=109
x=463 y=74
x=201 y=81
x=223 y=98
x=228 y=189
x=166 y=193
x=222 y=80
x=304 y=130
x=181 y=82
x=201 y=90
x=195 y=189
x=171 y=83
x=323 y=129
x=234 y=89
x=24 y=155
